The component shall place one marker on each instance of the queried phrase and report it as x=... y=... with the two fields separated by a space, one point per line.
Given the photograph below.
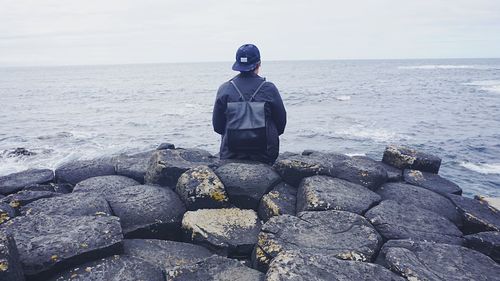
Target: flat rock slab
x=133 y=166
x=407 y=158
x=62 y=188
x=407 y=194
x=215 y=268
x=319 y=193
x=167 y=165
x=24 y=197
x=147 y=211
x=432 y=182
x=299 y=266
x=113 y=268
x=342 y=234
x=72 y=204
x=165 y=254
x=14 y=182
x=200 y=188
x=47 y=244
x=229 y=232
x=10 y=265
x=77 y=171
x=487 y=243
x=363 y=171
x=393 y=174
x=281 y=200
x=246 y=183
x=104 y=185
x=6 y=212
x=397 y=221
x=477 y=215
x=435 y=261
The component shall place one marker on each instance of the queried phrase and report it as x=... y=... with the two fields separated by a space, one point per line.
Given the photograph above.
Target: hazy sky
x=55 y=32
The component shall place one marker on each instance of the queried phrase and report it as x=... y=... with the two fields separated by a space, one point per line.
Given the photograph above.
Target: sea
x=450 y=108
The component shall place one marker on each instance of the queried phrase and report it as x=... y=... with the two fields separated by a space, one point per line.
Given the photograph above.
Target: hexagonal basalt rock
x=71 y=204
x=477 y=215
x=133 y=166
x=246 y=183
x=166 y=166
x=77 y=171
x=104 y=185
x=319 y=193
x=200 y=188
x=15 y=182
x=280 y=200
x=113 y=268
x=406 y=158
x=24 y=197
x=396 y=221
x=299 y=266
x=229 y=232
x=435 y=261
x=342 y=234
x=165 y=254
x=487 y=243
x=362 y=170
x=215 y=268
x=147 y=211
x=47 y=244
x=432 y=182
x=393 y=174
x=62 y=188
x=407 y=194
x=10 y=266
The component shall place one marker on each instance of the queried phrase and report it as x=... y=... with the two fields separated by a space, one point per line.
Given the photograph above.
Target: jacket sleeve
x=278 y=110
x=219 y=112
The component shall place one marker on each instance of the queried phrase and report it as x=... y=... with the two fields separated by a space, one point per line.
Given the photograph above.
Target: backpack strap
x=238 y=90
x=254 y=94
x=258 y=89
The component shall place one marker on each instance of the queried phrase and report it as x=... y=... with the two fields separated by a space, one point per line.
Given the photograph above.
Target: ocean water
x=447 y=107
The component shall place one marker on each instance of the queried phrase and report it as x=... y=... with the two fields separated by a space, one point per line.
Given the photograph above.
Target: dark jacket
x=275 y=115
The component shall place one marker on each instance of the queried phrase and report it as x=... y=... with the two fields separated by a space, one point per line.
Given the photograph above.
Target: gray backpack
x=246 y=123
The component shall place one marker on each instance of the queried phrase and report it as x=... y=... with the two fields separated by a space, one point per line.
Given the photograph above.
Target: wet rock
x=133 y=166
x=435 y=261
x=6 y=212
x=200 y=188
x=280 y=200
x=407 y=194
x=113 y=268
x=341 y=234
x=62 y=188
x=492 y=201
x=299 y=266
x=246 y=183
x=432 y=182
x=487 y=243
x=24 y=197
x=397 y=221
x=165 y=145
x=10 y=265
x=72 y=204
x=477 y=215
x=104 y=185
x=406 y=158
x=363 y=171
x=15 y=182
x=148 y=211
x=319 y=193
x=47 y=244
x=166 y=166
x=393 y=174
x=229 y=232
x=165 y=254
x=20 y=151
x=77 y=171
x=215 y=268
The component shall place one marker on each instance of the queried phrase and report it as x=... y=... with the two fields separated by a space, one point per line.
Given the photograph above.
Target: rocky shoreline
x=184 y=214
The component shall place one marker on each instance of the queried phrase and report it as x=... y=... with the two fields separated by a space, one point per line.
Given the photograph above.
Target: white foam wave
x=355 y=154
x=482 y=168
x=360 y=132
x=343 y=98
x=486 y=85
x=448 y=66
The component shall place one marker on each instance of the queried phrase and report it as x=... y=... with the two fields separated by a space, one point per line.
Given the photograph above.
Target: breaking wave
x=482 y=168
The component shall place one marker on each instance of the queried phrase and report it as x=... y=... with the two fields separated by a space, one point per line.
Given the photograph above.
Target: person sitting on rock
x=249 y=113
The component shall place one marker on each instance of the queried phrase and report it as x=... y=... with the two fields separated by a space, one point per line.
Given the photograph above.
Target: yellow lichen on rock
x=271 y=205
x=354 y=256
x=218 y=221
x=4 y=265
x=416 y=174
x=15 y=203
x=4 y=217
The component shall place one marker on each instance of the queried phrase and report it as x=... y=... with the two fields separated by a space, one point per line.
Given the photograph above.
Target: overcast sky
x=61 y=32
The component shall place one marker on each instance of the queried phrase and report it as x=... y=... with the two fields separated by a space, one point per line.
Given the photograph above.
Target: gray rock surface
x=113 y=268
x=437 y=262
x=104 y=185
x=47 y=244
x=246 y=183
x=319 y=193
x=299 y=266
x=165 y=145
x=10 y=265
x=281 y=200
x=24 y=197
x=229 y=232
x=15 y=182
x=477 y=215
x=200 y=188
x=71 y=204
x=148 y=211
x=165 y=254
x=77 y=171
x=487 y=243
x=62 y=188
x=396 y=221
x=363 y=171
x=6 y=212
x=432 y=182
x=407 y=158
x=133 y=166
x=407 y=194
x=393 y=174
x=215 y=268
x=342 y=234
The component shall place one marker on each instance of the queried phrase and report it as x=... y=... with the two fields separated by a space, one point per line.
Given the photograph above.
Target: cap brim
x=244 y=67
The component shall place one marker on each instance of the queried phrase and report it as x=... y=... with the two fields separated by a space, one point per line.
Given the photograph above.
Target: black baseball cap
x=247 y=58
